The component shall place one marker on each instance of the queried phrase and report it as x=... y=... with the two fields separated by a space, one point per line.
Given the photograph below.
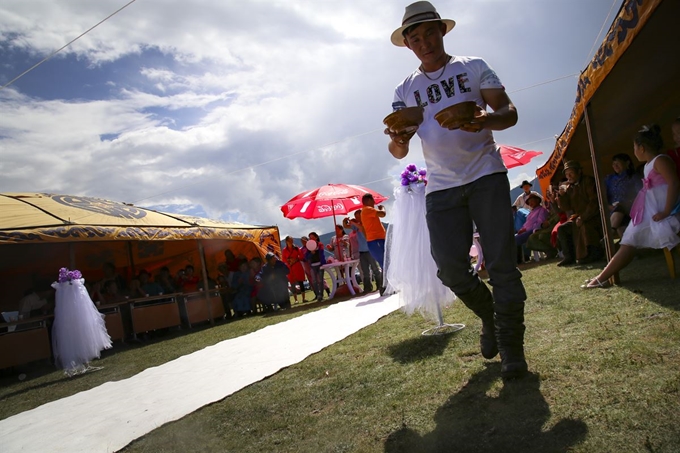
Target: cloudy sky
x=228 y=108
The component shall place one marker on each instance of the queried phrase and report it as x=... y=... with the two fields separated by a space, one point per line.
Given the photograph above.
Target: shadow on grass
x=301 y=307
x=43 y=370
x=473 y=421
x=422 y=347
x=34 y=370
x=648 y=276
x=377 y=300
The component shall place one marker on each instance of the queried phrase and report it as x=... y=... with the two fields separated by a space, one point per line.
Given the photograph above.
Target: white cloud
x=257 y=100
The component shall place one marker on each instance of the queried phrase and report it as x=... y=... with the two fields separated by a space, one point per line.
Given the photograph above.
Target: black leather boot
x=510 y=337
x=480 y=301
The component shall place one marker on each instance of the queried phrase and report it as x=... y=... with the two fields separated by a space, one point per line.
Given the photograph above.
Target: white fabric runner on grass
x=108 y=417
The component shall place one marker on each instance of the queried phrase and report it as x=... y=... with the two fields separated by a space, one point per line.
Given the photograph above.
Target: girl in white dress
x=78 y=333
x=409 y=266
x=654 y=215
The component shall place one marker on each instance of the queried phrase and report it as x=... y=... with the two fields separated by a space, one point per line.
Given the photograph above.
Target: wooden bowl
x=405 y=120
x=456 y=115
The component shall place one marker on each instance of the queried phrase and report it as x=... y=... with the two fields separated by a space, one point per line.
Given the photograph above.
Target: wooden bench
x=113 y=320
x=24 y=341
x=195 y=307
x=156 y=312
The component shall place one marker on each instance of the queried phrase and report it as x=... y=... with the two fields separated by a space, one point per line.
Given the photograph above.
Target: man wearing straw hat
x=468 y=180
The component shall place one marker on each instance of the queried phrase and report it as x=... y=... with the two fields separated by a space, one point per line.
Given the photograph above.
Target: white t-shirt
x=454 y=158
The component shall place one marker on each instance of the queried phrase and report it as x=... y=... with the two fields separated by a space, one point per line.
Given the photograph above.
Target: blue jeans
x=377 y=249
x=368 y=264
x=450 y=214
x=317 y=280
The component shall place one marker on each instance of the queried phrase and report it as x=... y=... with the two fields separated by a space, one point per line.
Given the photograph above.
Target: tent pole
x=131 y=259
x=72 y=255
x=206 y=289
x=606 y=225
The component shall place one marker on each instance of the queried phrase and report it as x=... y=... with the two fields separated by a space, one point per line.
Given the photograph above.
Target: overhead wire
x=544 y=83
x=597 y=38
x=66 y=45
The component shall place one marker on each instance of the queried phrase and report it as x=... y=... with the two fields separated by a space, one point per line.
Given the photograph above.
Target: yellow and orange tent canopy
x=44 y=218
x=41 y=232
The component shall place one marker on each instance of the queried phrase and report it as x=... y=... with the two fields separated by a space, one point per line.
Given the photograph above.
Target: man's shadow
x=419 y=348
x=472 y=421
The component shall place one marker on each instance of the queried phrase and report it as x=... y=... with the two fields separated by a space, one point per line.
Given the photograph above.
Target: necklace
x=448 y=57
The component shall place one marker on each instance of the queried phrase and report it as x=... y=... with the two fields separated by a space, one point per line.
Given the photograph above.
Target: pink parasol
x=515 y=157
x=328 y=200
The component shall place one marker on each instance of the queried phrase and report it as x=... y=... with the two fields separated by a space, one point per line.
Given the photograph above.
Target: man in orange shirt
x=375 y=232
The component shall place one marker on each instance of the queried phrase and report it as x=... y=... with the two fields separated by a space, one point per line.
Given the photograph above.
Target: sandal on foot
x=596 y=283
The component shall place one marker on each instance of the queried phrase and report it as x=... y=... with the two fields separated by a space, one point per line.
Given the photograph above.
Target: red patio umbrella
x=515 y=157
x=328 y=200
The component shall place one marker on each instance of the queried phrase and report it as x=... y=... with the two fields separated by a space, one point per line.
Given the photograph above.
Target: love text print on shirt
x=434 y=93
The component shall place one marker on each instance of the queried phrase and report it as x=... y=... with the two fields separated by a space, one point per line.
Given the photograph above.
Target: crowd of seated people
x=574 y=226
x=255 y=286
x=567 y=221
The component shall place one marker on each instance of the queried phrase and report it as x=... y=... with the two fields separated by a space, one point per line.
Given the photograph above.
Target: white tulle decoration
x=411 y=270
x=79 y=332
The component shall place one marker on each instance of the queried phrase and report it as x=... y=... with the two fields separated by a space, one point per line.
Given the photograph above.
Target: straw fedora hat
x=417 y=13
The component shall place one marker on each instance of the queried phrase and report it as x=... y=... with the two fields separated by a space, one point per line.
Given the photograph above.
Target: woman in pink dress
x=293 y=257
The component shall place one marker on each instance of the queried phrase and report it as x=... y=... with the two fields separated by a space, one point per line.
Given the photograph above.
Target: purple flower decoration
x=66 y=275
x=413 y=175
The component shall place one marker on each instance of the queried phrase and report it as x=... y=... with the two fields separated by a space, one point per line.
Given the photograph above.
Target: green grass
x=44 y=383
x=605 y=376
